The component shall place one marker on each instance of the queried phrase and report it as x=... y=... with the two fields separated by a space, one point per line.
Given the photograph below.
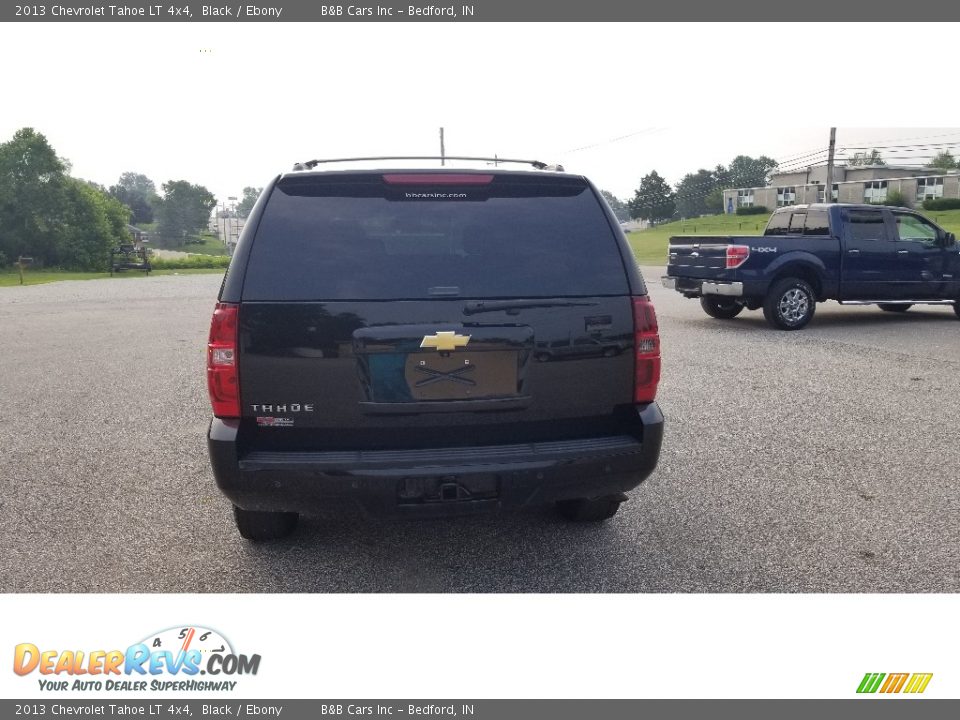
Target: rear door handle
x=853 y=252
x=902 y=252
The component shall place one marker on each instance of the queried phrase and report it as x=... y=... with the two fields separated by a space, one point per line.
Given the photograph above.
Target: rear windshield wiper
x=496 y=305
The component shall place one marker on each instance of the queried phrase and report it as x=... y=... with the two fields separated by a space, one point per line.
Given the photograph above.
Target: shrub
x=894 y=199
x=189 y=262
x=942 y=204
x=754 y=210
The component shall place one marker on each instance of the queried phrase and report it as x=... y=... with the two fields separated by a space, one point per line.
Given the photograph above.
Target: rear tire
x=720 y=307
x=790 y=304
x=590 y=510
x=893 y=307
x=256 y=525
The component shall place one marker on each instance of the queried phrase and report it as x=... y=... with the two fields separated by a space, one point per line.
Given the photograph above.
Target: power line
x=645 y=131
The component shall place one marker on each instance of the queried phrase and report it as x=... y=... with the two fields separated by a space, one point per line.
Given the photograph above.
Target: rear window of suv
x=400 y=236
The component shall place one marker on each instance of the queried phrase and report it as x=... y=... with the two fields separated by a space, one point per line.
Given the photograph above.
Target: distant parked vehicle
x=856 y=254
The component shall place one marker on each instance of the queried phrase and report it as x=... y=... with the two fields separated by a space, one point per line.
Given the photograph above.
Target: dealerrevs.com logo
x=172 y=659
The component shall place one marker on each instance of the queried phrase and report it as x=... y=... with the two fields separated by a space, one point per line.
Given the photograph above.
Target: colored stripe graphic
x=894 y=682
x=870 y=682
x=918 y=683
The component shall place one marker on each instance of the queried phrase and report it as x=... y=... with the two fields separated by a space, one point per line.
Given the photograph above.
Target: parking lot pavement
x=819 y=460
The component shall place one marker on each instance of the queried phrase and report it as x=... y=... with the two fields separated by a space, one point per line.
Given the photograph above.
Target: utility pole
x=828 y=190
x=442 y=151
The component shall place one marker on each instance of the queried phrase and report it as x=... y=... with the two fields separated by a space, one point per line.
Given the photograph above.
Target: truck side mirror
x=949 y=240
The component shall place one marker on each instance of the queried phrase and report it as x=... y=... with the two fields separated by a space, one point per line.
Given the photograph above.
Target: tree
x=692 y=191
x=653 y=200
x=867 y=158
x=745 y=171
x=183 y=210
x=249 y=199
x=617 y=205
x=92 y=222
x=45 y=214
x=138 y=193
x=32 y=180
x=945 y=161
x=714 y=201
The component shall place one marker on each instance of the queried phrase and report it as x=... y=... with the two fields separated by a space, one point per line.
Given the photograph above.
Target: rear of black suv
x=431 y=342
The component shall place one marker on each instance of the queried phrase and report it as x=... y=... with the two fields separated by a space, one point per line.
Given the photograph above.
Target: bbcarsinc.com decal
x=177 y=659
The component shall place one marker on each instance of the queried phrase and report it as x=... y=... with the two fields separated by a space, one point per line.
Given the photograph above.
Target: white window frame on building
x=745 y=198
x=786 y=196
x=821 y=193
x=874 y=191
x=929 y=188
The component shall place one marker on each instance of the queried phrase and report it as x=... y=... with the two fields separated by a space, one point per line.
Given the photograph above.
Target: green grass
x=209 y=245
x=191 y=262
x=650 y=246
x=40 y=277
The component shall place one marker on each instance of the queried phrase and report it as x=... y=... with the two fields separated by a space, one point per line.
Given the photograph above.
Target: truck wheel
x=720 y=307
x=790 y=304
x=595 y=510
x=893 y=307
x=257 y=525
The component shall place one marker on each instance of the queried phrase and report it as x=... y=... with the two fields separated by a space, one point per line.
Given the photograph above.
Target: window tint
x=866 y=225
x=341 y=237
x=796 y=223
x=779 y=224
x=915 y=229
x=817 y=223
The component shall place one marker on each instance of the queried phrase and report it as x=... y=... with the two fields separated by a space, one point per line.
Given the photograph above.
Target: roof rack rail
x=310 y=164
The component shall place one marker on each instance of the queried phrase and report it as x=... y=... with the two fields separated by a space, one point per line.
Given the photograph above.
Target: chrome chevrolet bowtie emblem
x=445 y=341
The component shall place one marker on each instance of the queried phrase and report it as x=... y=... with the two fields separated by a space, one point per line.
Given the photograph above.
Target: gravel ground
x=818 y=461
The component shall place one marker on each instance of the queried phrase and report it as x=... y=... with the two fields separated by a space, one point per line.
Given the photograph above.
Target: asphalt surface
x=823 y=460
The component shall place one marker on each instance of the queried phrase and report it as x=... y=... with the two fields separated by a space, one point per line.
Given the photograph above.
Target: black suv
x=379 y=339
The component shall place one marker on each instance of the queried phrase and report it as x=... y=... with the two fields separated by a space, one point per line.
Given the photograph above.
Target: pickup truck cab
x=855 y=254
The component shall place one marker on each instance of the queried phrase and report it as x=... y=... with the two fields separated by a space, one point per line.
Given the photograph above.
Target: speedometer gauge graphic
x=183 y=639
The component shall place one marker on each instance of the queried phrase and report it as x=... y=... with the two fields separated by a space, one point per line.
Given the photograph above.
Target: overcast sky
x=232 y=105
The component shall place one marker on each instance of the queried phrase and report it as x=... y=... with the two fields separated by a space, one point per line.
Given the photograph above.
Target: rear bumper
x=690 y=286
x=440 y=481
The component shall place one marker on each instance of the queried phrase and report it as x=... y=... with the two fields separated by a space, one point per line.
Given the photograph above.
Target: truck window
x=866 y=225
x=817 y=223
x=779 y=224
x=797 y=221
x=911 y=228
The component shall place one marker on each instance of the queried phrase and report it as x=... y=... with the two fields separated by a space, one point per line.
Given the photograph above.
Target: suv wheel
x=720 y=307
x=893 y=307
x=257 y=525
x=790 y=304
x=586 y=510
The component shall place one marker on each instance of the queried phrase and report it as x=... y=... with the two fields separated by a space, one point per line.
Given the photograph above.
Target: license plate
x=461 y=375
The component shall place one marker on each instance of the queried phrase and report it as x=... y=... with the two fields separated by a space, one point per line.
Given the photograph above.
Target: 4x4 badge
x=445 y=341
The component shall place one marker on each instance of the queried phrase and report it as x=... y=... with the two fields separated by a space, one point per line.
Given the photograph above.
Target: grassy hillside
x=650 y=246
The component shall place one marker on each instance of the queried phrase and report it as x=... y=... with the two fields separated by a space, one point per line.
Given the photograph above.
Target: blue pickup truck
x=856 y=254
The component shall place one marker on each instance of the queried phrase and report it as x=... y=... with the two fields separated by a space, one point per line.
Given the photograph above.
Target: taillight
x=222 y=362
x=737 y=255
x=647 y=348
